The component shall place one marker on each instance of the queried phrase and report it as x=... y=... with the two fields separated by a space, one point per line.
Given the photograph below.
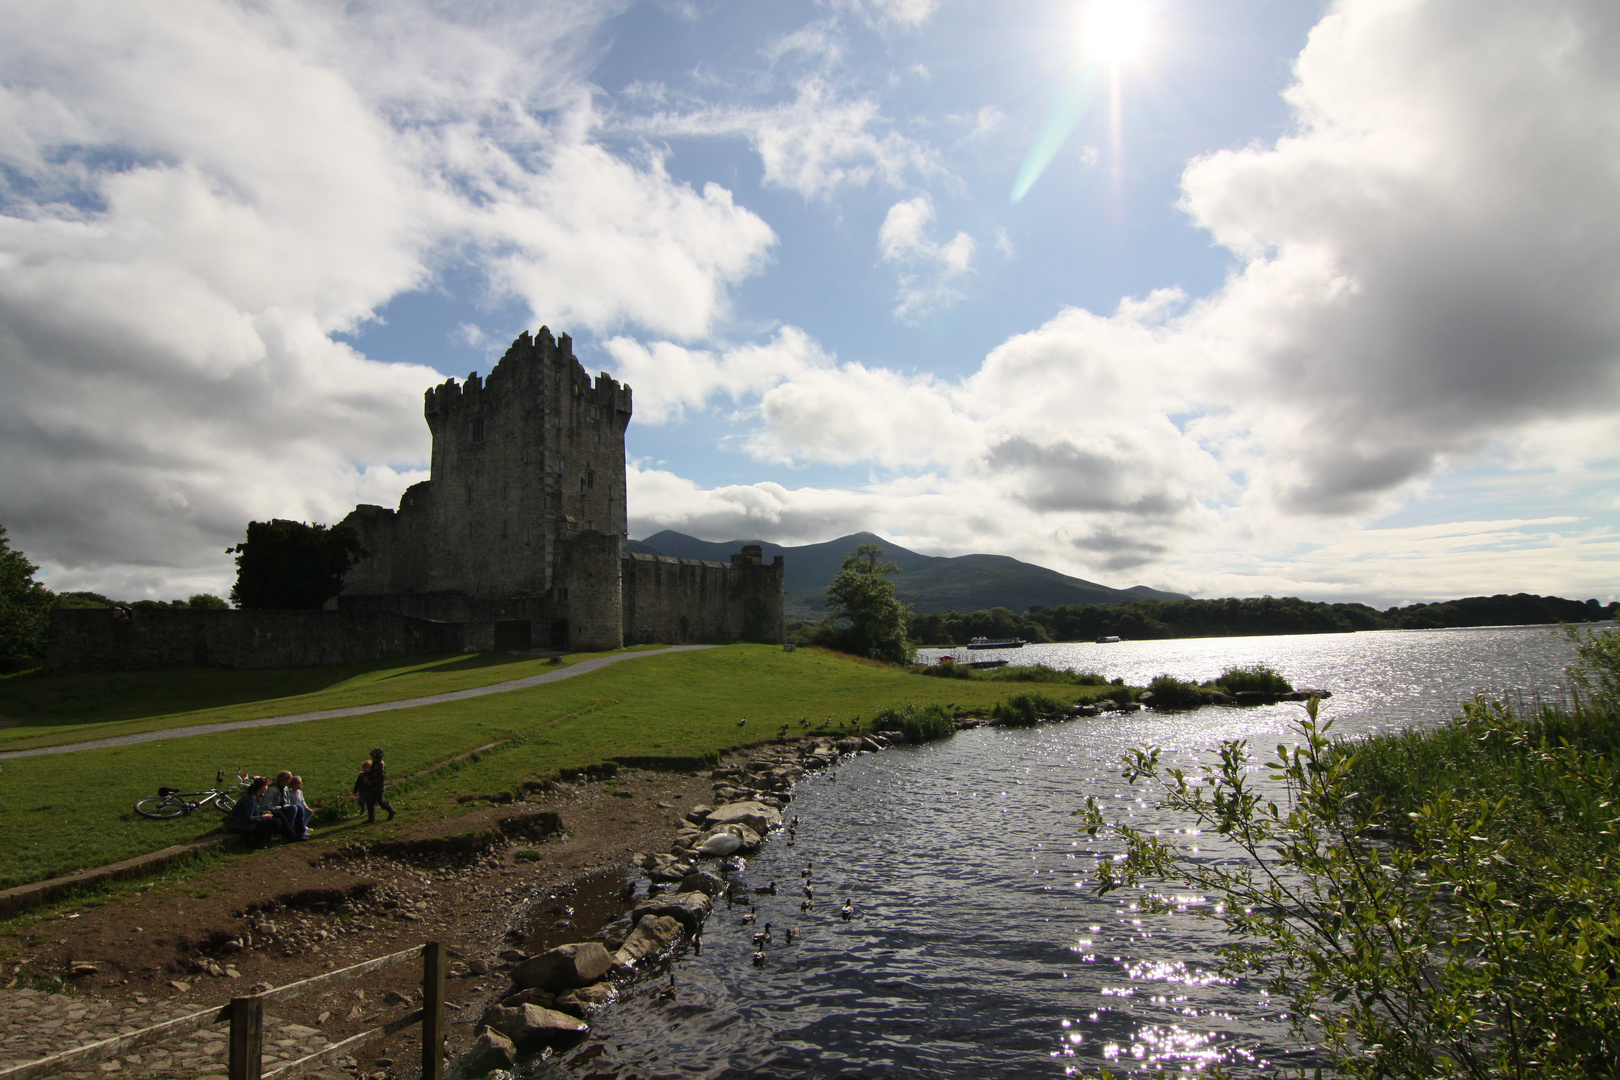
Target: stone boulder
x=530 y=1025
x=565 y=967
x=532 y=995
x=688 y=908
x=490 y=1051
x=706 y=882
x=756 y=815
x=652 y=935
x=586 y=999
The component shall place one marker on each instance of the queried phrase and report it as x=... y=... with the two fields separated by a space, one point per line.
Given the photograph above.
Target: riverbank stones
x=566 y=967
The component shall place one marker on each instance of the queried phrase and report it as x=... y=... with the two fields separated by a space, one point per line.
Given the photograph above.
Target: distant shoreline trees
x=1245 y=617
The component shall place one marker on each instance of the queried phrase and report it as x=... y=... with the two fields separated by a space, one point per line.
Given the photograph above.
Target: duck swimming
x=763 y=938
x=766 y=890
x=848 y=910
x=748 y=918
x=789 y=934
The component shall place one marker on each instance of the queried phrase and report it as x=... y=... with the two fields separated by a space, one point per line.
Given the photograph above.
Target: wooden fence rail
x=246 y=1017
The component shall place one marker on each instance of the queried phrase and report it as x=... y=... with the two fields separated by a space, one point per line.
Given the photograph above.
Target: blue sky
x=1312 y=299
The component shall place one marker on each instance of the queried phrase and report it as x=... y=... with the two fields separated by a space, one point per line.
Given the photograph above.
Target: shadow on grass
x=464 y=662
x=38 y=700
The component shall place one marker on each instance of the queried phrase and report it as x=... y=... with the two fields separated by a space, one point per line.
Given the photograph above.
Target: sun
x=1115 y=30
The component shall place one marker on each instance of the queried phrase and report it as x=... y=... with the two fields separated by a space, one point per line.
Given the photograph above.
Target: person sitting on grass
x=300 y=809
x=248 y=817
x=376 y=777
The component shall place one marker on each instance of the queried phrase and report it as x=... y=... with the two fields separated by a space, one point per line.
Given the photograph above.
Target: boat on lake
x=1109 y=639
x=996 y=643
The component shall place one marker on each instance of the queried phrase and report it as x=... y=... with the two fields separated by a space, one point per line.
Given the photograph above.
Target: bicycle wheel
x=224 y=802
x=163 y=807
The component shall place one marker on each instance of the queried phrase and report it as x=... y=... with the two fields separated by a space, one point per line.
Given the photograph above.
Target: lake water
x=978 y=947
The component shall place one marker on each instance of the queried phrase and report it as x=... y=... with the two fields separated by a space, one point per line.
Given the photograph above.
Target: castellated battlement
x=522 y=524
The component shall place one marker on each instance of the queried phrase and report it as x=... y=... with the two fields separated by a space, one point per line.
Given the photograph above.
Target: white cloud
x=815 y=145
x=195 y=196
x=933 y=270
x=1428 y=275
x=669 y=379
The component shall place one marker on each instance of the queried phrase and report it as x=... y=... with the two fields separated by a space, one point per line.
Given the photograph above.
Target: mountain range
x=928 y=583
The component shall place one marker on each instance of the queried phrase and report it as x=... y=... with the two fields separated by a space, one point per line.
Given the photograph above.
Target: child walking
x=375 y=777
x=362 y=788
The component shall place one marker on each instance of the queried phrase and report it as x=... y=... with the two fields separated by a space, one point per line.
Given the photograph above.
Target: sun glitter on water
x=1115 y=30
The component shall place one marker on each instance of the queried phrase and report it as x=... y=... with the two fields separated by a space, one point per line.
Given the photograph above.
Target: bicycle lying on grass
x=172 y=803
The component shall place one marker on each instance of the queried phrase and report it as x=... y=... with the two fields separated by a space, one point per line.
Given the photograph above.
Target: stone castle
x=518 y=540
x=520 y=533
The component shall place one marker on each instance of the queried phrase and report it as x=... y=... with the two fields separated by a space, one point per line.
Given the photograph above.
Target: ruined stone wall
x=97 y=640
x=680 y=601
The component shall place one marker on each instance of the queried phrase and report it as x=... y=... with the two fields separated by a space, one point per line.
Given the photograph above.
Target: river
x=978 y=947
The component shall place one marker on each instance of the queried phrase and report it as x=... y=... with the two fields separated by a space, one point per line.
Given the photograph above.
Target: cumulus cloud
x=932 y=269
x=816 y=144
x=669 y=379
x=194 y=197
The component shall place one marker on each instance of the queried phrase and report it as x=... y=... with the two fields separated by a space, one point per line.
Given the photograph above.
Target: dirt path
x=581 y=668
x=295 y=910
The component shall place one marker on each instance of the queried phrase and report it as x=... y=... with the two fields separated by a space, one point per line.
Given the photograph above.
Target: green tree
x=863 y=597
x=288 y=564
x=25 y=606
x=207 y=601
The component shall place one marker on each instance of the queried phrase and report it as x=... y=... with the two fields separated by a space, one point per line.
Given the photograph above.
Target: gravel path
x=355 y=710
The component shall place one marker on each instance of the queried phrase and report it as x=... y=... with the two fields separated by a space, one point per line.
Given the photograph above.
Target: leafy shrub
x=1261 y=677
x=1172 y=693
x=916 y=723
x=1481 y=944
x=1023 y=710
x=1042 y=673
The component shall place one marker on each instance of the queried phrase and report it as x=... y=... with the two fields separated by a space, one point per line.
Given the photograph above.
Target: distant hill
x=928 y=583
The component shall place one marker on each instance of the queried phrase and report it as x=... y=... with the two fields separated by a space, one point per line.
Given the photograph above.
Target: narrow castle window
x=590 y=478
x=478 y=429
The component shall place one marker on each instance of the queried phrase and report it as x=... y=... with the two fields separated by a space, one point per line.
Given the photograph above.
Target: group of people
x=272 y=808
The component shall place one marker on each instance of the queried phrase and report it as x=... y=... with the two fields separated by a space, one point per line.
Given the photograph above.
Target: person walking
x=375 y=779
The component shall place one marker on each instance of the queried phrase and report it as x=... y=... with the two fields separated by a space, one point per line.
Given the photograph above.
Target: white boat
x=996 y=643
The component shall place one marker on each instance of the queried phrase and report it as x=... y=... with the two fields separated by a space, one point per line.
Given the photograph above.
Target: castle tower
x=524 y=515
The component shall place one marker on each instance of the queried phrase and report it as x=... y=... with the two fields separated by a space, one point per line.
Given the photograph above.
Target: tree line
x=1244 y=617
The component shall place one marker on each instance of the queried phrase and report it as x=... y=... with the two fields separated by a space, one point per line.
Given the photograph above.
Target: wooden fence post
x=247 y=1038
x=433 y=972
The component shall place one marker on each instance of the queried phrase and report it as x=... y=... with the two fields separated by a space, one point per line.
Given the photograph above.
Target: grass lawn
x=70 y=707
x=62 y=812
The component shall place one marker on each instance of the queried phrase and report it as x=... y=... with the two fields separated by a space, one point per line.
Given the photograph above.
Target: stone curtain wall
x=95 y=640
x=682 y=601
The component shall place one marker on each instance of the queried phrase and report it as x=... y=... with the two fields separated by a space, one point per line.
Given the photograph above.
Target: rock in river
x=755 y=815
x=565 y=967
x=688 y=908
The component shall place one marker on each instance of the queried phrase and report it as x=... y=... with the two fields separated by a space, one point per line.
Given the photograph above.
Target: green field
x=62 y=812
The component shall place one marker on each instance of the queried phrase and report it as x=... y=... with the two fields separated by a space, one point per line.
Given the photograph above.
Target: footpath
x=581 y=668
x=34 y=1024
